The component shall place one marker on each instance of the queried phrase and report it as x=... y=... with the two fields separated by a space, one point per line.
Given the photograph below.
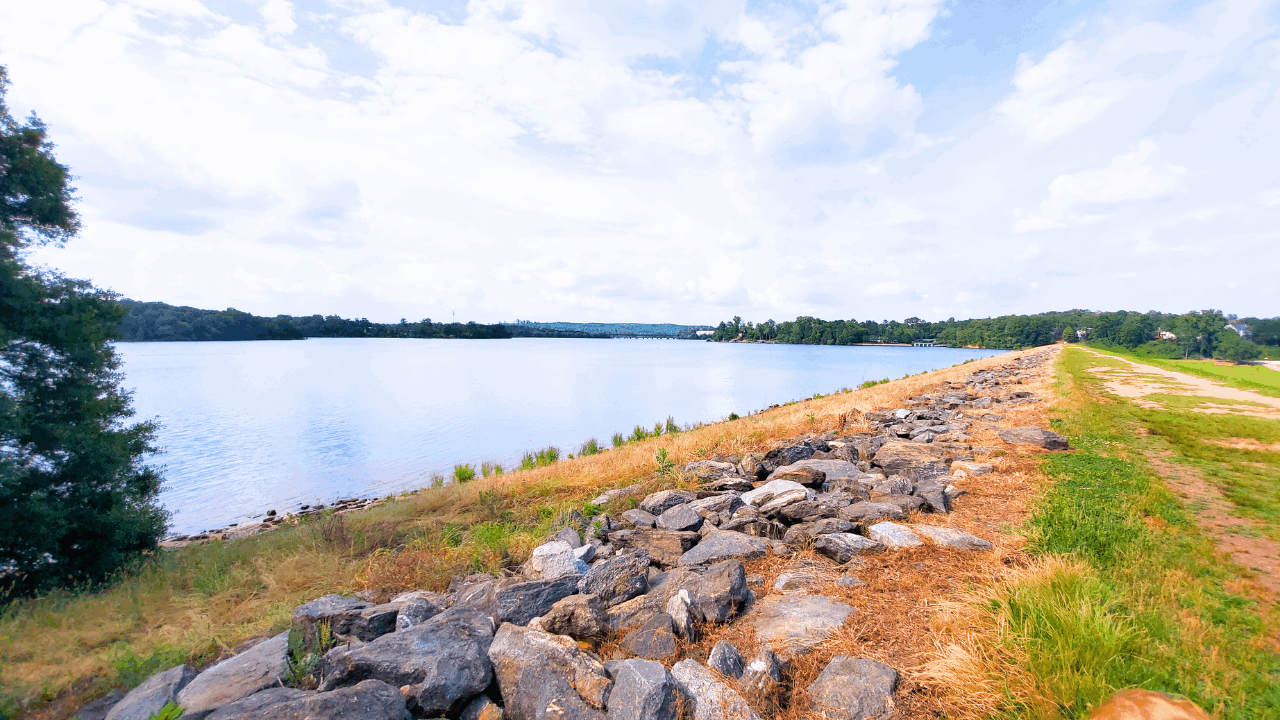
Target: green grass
x=1150 y=608
x=1195 y=402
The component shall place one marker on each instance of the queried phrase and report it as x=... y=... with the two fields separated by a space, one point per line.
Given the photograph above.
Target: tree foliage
x=76 y=501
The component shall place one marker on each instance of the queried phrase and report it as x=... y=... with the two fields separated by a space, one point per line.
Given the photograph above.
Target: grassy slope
x=1123 y=591
x=196 y=603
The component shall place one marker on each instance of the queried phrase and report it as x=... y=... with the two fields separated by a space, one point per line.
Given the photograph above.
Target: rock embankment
x=645 y=584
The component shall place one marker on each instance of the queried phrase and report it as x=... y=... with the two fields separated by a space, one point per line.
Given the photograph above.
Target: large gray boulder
x=801 y=534
x=894 y=536
x=663 y=546
x=855 y=689
x=777 y=489
x=955 y=539
x=446 y=657
x=521 y=602
x=581 y=617
x=154 y=693
x=366 y=700
x=642 y=690
x=843 y=547
x=416 y=611
x=865 y=513
x=346 y=617
x=831 y=469
x=710 y=698
x=724 y=545
x=793 y=625
x=535 y=670
x=638 y=518
x=726 y=660
x=896 y=456
x=664 y=500
x=719 y=593
x=680 y=517
x=555 y=559
x=1035 y=436
x=618 y=579
x=655 y=640
x=258 y=668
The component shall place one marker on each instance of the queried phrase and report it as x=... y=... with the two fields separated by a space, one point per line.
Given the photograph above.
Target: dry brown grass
x=200 y=601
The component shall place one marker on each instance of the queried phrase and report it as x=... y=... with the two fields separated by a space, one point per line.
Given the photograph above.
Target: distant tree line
x=161 y=322
x=1200 y=334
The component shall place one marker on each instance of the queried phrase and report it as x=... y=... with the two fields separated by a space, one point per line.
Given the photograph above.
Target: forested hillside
x=1165 y=334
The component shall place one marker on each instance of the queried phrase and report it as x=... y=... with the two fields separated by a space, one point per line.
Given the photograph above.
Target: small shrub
x=672 y=428
x=657 y=429
x=811 y=418
x=332 y=529
x=304 y=655
x=733 y=416
x=171 y=711
x=590 y=447
x=619 y=439
x=489 y=468
x=463 y=473
x=548 y=455
x=437 y=480
x=666 y=465
x=528 y=461
x=639 y=434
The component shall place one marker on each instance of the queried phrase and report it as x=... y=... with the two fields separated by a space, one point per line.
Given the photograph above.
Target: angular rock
x=717 y=505
x=586 y=553
x=521 y=602
x=710 y=698
x=801 y=534
x=730 y=483
x=711 y=469
x=871 y=512
x=609 y=496
x=642 y=690
x=792 y=625
x=896 y=456
x=346 y=617
x=1035 y=436
x=968 y=468
x=843 y=547
x=367 y=700
x=482 y=708
x=680 y=608
x=755 y=526
x=555 y=559
x=806 y=476
x=831 y=469
x=536 y=670
x=154 y=693
x=893 y=535
x=254 y=705
x=664 y=546
x=762 y=675
x=569 y=535
x=639 y=518
x=664 y=500
x=680 y=517
x=617 y=579
x=258 y=668
x=725 y=545
x=855 y=689
x=934 y=495
x=750 y=465
x=726 y=660
x=774 y=489
x=907 y=503
x=655 y=640
x=416 y=611
x=956 y=539
x=719 y=592
x=778 y=457
x=581 y=617
x=445 y=656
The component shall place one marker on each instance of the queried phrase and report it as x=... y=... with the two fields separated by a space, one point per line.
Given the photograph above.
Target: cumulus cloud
x=651 y=159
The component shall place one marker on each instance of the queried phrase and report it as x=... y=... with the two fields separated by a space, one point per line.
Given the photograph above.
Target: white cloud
x=651 y=160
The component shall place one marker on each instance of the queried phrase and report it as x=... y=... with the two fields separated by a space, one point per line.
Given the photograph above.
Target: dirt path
x=1239 y=537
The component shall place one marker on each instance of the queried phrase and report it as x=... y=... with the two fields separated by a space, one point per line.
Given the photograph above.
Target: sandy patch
x=1142 y=380
x=1246 y=444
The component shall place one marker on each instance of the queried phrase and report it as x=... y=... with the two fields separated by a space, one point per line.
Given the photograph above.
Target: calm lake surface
x=250 y=426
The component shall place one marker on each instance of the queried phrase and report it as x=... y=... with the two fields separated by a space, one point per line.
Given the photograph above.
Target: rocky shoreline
x=597 y=623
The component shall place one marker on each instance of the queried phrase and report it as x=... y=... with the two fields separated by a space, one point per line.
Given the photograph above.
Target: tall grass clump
x=488 y=469
x=542 y=458
x=463 y=473
x=619 y=439
x=590 y=447
x=671 y=426
x=638 y=434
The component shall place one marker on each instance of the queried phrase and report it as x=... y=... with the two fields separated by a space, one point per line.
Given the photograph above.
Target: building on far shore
x=1165 y=335
x=924 y=342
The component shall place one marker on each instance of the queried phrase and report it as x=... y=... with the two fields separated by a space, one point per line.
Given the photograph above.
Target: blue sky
x=652 y=160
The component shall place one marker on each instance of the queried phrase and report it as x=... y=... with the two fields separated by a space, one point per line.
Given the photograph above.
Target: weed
x=437 y=480
x=488 y=469
x=671 y=427
x=305 y=651
x=811 y=418
x=590 y=447
x=619 y=439
x=170 y=711
x=331 y=530
x=463 y=473
x=733 y=416
x=638 y=434
x=528 y=461
x=657 y=429
x=666 y=465
x=548 y=456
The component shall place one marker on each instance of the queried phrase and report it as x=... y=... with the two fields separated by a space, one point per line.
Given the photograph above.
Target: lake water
x=251 y=426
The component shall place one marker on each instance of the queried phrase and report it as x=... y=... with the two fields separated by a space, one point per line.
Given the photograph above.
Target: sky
x=663 y=160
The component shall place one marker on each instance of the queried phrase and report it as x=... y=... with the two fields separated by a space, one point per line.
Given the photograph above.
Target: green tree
x=1069 y=334
x=76 y=501
x=1233 y=348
